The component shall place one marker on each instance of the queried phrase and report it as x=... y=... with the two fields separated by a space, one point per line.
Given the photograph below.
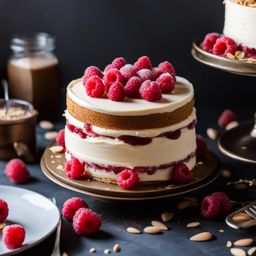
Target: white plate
x=36 y=213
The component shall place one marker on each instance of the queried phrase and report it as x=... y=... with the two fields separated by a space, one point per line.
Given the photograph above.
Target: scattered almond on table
x=159 y=224
x=47 y=125
x=212 y=133
x=237 y=252
x=92 y=250
x=193 y=224
x=229 y=244
x=240 y=217
x=251 y=251
x=116 y=248
x=107 y=251
x=133 y=230
x=183 y=205
x=50 y=135
x=243 y=242
x=152 y=230
x=225 y=173
x=201 y=237
x=167 y=216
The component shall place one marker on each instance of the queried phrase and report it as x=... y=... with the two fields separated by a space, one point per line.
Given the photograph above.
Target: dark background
x=93 y=32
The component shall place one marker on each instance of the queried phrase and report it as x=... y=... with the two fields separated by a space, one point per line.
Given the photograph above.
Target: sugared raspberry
x=224 y=45
x=225 y=204
x=127 y=179
x=107 y=68
x=166 y=82
x=60 y=139
x=209 y=41
x=132 y=87
x=13 y=236
x=4 y=210
x=112 y=76
x=74 y=169
x=201 y=145
x=167 y=67
x=156 y=72
x=118 y=62
x=71 y=206
x=210 y=207
x=150 y=91
x=17 y=171
x=94 y=87
x=127 y=71
x=116 y=92
x=181 y=174
x=86 y=222
x=226 y=117
x=145 y=74
x=143 y=63
x=91 y=71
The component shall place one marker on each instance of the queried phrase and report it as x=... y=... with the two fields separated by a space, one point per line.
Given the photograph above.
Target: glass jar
x=33 y=72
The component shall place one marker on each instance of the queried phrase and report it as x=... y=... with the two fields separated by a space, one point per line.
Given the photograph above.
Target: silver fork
x=56 y=248
x=250 y=210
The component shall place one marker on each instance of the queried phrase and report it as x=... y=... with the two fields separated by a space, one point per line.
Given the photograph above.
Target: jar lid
x=32 y=42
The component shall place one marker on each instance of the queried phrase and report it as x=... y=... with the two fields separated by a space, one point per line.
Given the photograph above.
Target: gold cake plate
x=205 y=172
x=233 y=66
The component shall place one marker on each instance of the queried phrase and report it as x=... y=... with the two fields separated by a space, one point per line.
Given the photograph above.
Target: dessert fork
x=250 y=210
x=56 y=248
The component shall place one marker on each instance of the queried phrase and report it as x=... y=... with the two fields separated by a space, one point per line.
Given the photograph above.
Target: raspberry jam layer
x=149 y=170
x=131 y=140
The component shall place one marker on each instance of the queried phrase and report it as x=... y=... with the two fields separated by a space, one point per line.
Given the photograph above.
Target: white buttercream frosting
x=182 y=94
x=140 y=133
x=240 y=23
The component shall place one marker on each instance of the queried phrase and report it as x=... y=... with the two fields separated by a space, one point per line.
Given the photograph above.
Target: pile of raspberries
x=120 y=80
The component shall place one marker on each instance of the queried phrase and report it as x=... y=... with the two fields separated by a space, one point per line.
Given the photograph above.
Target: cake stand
x=205 y=172
x=240 y=142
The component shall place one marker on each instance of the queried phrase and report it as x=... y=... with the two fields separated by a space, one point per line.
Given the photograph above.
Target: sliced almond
x=241 y=217
x=212 y=133
x=229 y=244
x=166 y=216
x=159 y=224
x=2 y=225
x=152 y=230
x=56 y=149
x=230 y=56
x=116 y=248
x=133 y=230
x=201 y=237
x=244 y=242
x=107 y=251
x=50 y=135
x=193 y=224
x=47 y=125
x=183 y=205
x=92 y=250
x=231 y=125
x=237 y=252
x=252 y=251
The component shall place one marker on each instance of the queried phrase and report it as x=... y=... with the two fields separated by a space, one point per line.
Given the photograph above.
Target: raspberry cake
x=130 y=124
x=240 y=20
x=238 y=40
